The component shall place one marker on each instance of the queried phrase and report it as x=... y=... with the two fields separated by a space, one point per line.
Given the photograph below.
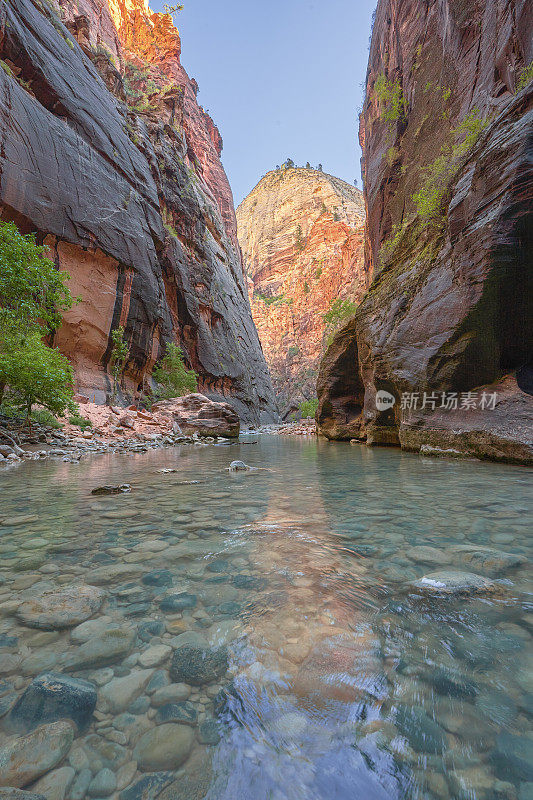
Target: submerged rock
x=164 y=747
x=488 y=560
x=148 y=786
x=52 y=697
x=513 y=757
x=422 y=732
x=61 y=608
x=111 y=647
x=198 y=665
x=122 y=489
x=452 y=582
x=23 y=759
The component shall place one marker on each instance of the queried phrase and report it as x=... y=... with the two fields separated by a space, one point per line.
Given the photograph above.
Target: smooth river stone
x=486 y=559
x=112 y=646
x=25 y=758
x=451 y=582
x=61 y=608
x=119 y=693
x=428 y=555
x=163 y=747
x=56 y=784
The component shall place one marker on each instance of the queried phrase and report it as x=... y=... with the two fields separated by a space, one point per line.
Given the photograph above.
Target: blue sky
x=281 y=79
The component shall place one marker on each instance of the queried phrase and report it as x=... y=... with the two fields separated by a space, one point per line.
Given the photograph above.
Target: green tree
x=119 y=356
x=308 y=408
x=171 y=375
x=36 y=373
x=33 y=293
x=171 y=10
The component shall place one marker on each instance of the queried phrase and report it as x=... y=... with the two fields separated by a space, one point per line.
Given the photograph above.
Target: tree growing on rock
x=172 y=376
x=119 y=356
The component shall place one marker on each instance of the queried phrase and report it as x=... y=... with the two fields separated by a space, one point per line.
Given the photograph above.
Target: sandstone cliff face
x=449 y=309
x=301 y=233
x=107 y=156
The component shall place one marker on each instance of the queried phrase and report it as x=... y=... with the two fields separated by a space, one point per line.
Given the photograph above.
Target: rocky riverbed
x=333 y=619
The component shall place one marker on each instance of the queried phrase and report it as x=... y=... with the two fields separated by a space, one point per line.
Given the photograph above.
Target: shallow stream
x=344 y=679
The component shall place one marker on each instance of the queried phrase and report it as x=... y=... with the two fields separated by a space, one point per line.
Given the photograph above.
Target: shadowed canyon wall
x=301 y=233
x=447 y=133
x=106 y=155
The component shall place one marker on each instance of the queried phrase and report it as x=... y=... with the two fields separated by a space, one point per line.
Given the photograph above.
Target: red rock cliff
x=446 y=130
x=301 y=232
x=121 y=176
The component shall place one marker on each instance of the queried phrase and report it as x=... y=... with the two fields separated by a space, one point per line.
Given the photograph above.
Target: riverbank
x=111 y=429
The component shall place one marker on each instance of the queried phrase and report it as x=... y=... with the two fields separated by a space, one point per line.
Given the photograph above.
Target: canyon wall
x=106 y=155
x=445 y=329
x=301 y=233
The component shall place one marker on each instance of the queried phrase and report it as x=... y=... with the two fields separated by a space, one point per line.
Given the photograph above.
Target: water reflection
x=344 y=681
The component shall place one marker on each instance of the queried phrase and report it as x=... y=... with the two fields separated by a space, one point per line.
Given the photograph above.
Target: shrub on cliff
x=172 y=377
x=308 y=408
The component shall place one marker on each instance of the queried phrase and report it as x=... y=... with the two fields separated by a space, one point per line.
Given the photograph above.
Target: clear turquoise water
x=344 y=682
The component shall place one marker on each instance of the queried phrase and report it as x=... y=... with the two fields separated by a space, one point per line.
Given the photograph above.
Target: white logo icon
x=384 y=400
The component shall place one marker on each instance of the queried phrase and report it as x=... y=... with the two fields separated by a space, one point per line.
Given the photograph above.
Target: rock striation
x=446 y=131
x=108 y=157
x=302 y=237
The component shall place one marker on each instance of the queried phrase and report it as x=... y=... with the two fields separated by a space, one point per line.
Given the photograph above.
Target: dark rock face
x=52 y=697
x=450 y=301
x=133 y=204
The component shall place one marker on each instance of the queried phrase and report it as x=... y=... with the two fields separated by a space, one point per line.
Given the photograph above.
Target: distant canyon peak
x=302 y=236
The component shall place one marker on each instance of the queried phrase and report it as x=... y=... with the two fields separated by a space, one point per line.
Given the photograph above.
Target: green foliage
x=171 y=375
x=526 y=76
x=300 y=243
x=119 y=355
x=390 y=96
x=392 y=155
x=339 y=312
x=277 y=300
x=306 y=288
x=318 y=273
x=309 y=408
x=79 y=421
x=390 y=245
x=35 y=373
x=173 y=9
x=32 y=290
x=436 y=176
x=32 y=296
x=293 y=350
x=43 y=417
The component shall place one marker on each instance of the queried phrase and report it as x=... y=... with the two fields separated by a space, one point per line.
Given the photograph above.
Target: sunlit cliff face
x=301 y=232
